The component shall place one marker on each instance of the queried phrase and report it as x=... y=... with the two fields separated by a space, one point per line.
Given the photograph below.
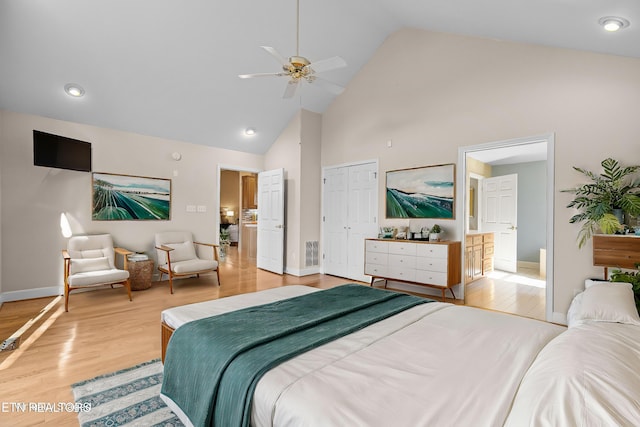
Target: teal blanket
x=212 y=365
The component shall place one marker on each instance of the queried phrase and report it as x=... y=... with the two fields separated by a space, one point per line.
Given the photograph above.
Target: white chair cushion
x=192 y=266
x=101 y=277
x=84 y=265
x=182 y=251
x=93 y=246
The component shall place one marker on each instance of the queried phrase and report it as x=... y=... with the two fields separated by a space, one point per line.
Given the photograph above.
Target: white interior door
x=500 y=216
x=271 y=200
x=362 y=215
x=350 y=208
x=335 y=221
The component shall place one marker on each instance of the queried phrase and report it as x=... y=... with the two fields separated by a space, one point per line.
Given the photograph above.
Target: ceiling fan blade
x=328 y=64
x=281 y=59
x=326 y=84
x=290 y=90
x=250 y=76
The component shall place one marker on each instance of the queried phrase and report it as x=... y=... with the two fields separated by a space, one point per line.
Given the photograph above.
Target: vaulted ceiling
x=170 y=68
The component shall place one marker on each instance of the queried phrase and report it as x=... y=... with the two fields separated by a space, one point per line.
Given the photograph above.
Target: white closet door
x=362 y=216
x=335 y=221
x=350 y=198
x=270 y=254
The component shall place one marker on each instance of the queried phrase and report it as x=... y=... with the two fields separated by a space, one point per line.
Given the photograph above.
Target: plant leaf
x=609 y=224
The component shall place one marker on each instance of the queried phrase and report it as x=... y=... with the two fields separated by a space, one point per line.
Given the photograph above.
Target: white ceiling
x=169 y=68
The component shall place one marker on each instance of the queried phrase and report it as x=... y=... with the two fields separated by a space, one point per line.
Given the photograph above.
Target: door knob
x=513 y=227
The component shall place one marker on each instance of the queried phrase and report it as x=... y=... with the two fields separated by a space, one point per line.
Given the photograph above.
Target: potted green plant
x=604 y=200
x=434 y=234
x=225 y=242
x=632 y=277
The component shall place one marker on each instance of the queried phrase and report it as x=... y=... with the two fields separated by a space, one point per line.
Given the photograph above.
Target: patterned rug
x=127 y=397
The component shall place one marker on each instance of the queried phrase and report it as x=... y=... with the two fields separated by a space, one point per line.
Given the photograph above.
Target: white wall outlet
x=202 y=208
x=191 y=208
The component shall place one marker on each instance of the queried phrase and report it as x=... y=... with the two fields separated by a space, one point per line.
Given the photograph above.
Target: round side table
x=140 y=273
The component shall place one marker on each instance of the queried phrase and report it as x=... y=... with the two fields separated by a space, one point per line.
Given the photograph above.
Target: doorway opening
x=507 y=193
x=237 y=222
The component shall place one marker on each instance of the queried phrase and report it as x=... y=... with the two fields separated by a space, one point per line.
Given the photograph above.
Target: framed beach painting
x=125 y=197
x=424 y=192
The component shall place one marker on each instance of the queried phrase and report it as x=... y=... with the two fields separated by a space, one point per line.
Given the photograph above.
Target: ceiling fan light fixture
x=613 y=23
x=73 y=89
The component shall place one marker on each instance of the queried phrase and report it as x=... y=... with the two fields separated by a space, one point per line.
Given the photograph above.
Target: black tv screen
x=60 y=152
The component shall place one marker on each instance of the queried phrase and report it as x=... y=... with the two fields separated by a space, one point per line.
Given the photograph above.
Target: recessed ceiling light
x=250 y=131
x=74 y=90
x=613 y=23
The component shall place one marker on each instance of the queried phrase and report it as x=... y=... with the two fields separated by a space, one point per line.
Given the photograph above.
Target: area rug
x=127 y=397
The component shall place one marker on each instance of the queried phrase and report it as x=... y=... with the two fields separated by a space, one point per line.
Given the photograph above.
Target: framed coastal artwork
x=126 y=197
x=424 y=192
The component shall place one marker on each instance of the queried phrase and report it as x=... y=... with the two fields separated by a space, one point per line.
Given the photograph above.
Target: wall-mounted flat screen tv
x=60 y=152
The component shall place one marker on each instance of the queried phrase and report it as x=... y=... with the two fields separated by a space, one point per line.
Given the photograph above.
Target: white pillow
x=608 y=302
x=182 y=251
x=590 y=282
x=84 y=265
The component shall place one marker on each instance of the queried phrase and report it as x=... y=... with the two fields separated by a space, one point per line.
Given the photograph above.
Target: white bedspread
x=433 y=365
x=588 y=376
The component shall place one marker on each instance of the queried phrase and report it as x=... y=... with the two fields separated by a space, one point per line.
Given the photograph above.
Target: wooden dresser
x=616 y=250
x=478 y=260
x=432 y=264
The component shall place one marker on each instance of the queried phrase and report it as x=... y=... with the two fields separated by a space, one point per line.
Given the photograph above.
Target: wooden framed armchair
x=90 y=261
x=177 y=256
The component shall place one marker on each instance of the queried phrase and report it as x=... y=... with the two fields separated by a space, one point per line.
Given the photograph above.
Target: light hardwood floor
x=104 y=332
x=522 y=293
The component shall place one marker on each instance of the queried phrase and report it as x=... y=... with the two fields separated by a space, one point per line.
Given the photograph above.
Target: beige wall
x=431 y=93
x=478 y=167
x=310 y=184
x=285 y=153
x=34 y=197
x=297 y=150
x=230 y=192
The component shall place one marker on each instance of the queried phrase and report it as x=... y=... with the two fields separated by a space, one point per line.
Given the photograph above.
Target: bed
x=443 y=364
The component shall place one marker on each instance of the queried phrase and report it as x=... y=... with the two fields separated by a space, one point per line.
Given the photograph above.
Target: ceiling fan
x=298 y=68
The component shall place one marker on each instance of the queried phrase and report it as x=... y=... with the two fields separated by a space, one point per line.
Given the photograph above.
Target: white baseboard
x=302 y=272
x=31 y=293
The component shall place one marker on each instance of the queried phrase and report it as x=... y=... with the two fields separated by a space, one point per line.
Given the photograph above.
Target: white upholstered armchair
x=90 y=261
x=177 y=256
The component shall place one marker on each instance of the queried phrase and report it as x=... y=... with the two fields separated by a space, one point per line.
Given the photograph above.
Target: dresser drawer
x=432 y=251
x=404 y=274
x=377 y=246
x=400 y=248
x=377 y=258
x=488 y=238
x=402 y=261
x=375 y=270
x=431 y=277
x=431 y=264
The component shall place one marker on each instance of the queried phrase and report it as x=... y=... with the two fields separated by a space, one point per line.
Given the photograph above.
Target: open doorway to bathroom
x=508 y=223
